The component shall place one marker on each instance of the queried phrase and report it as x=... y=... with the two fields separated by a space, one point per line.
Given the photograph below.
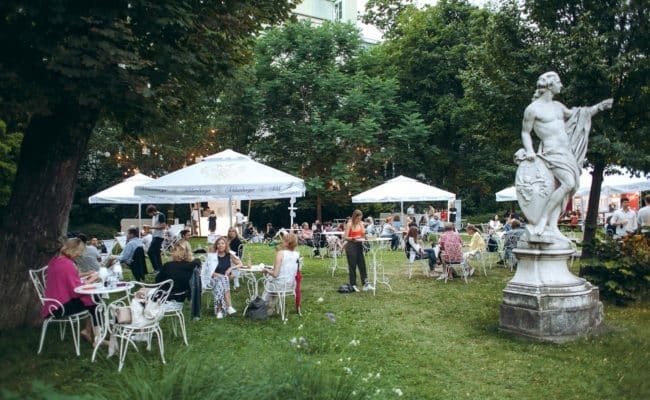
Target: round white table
x=101 y=296
x=252 y=281
x=375 y=247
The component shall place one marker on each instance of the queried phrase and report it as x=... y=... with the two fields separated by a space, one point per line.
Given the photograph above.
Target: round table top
x=255 y=268
x=99 y=288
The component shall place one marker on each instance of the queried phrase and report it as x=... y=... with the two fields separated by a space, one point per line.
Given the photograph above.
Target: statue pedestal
x=544 y=300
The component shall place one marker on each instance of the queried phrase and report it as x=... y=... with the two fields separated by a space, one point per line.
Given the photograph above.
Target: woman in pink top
x=62 y=277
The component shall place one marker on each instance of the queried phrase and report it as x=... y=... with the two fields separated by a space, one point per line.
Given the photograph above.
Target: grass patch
x=425 y=339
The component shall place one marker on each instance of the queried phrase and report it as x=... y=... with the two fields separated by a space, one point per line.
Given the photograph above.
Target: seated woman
x=236 y=248
x=389 y=231
x=306 y=235
x=180 y=271
x=451 y=247
x=476 y=245
x=224 y=261
x=61 y=279
x=495 y=223
x=285 y=267
x=184 y=241
x=269 y=232
x=420 y=253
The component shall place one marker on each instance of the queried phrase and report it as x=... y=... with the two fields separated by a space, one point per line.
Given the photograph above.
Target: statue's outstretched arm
x=602 y=106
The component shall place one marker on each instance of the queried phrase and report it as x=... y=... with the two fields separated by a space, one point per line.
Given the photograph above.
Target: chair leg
x=181 y=320
x=43 y=331
x=281 y=300
x=124 y=348
x=74 y=327
x=161 y=345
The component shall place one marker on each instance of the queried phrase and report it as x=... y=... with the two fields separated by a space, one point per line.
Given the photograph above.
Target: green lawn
x=424 y=340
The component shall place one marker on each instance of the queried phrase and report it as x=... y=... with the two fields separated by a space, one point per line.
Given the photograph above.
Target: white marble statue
x=546 y=180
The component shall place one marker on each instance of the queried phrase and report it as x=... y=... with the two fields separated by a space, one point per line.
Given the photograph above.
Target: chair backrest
x=121 y=240
x=240 y=252
x=38 y=279
x=157 y=295
x=109 y=244
x=175 y=229
x=207 y=267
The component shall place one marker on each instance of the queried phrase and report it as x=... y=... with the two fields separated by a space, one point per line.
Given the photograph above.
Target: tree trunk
x=37 y=213
x=319 y=208
x=591 y=219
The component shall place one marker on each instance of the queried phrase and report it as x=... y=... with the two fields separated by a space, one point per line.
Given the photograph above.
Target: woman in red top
x=62 y=277
x=354 y=234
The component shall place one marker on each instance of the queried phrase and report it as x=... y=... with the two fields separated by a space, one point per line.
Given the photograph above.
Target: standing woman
x=354 y=234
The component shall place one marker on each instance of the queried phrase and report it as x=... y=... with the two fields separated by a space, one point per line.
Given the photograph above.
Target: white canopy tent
x=401 y=189
x=612 y=184
x=124 y=193
x=225 y=175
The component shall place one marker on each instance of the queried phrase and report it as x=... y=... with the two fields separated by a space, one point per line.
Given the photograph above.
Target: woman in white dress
x=495 y=223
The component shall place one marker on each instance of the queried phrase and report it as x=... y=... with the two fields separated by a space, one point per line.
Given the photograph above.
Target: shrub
x=620 y=268
x=95 y=230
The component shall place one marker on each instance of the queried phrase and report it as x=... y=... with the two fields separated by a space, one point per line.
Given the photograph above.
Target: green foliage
x=620 y=268
x=9 y=149
x=384 y=14
x=95 y=230
x=324 y=119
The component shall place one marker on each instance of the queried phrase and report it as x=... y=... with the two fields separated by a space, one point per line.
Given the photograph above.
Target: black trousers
x=75 y=306
x=154 y=253
x=354 y=254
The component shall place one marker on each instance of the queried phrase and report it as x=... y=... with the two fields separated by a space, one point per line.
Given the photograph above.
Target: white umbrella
x=124 y=193
x=225 y=175
x=507 y=194
x=401 y=189
x=612 y=184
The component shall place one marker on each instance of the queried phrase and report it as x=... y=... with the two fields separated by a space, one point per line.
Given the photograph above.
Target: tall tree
x=64 y=65
x=428 y=57
x=323 y=118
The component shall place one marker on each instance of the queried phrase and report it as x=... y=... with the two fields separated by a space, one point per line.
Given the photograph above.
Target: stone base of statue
x=544 y=300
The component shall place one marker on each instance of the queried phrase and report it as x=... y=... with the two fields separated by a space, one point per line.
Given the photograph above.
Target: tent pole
x=230 y=212
x=139 y=219
x=401 y=212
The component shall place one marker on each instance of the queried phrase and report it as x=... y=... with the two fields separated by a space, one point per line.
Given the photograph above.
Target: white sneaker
x=355 y=288
x=231 y=311
x=219 y=315
x=441 y=277
x=367 y=286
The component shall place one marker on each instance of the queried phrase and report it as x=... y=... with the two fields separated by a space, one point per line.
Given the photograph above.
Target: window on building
x=338 y=10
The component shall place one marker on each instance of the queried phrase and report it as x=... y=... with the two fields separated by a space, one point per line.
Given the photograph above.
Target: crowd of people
x=79 y=260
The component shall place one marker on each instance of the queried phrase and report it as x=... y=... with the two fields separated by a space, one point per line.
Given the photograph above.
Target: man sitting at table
x=89 y=260
x=131 y=256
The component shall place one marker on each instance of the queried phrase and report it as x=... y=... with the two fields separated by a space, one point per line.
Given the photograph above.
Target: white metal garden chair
x=412 y=259
x=124 y=334
x=282 y=290
x=38 y=277
x=450 y=265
